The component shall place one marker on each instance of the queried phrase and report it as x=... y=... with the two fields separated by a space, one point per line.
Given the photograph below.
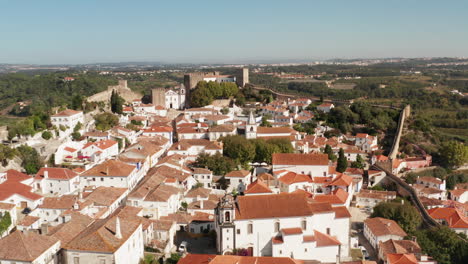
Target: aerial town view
x=234 y=132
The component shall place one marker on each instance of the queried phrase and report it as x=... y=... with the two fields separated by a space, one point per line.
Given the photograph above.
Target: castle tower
x=158 y=96
x=243 y=78
x=251 y=127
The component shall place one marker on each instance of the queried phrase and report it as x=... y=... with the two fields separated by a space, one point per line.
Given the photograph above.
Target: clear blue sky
x=228 y=31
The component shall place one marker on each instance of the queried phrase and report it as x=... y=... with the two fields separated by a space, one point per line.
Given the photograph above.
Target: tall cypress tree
x=342 y=161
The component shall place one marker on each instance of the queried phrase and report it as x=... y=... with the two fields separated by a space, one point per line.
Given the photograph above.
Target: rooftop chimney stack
x=118 y=234
x=46 y=174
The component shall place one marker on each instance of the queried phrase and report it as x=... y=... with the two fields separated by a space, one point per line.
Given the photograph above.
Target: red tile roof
x=292 y=177
x=56 y=173
x=382 y=227
x=324 y=240
x=237 y=174
x=401 y=259
x=257 y=186
x=291 y=231
x=67 y=112
x=25 y=247
x=300 y=159
x=452 y=216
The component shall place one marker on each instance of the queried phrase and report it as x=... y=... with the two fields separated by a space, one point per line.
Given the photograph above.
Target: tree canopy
x=106 y=121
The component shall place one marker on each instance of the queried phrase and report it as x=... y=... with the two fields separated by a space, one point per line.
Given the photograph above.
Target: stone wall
x=405 y=113
x=122 y=89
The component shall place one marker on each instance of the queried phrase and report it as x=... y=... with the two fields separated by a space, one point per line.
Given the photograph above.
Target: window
x=305 y=249
x=304 y=224
x=102 y=179
x=277 y=226
x=227 y=216
x=238 y=231
x=250 y=228
x=328 y=231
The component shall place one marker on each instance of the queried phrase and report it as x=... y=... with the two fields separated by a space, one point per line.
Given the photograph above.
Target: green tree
x=5 y=222
x=238 y=148
x=342 y=163
x=105 y=121
x=359 y=163
x=46 y=135
x=454 y=153
x=265 y=122
x=31 y=161
x=6 y=154
x=328 y=150
x=217 y=163
x=201 y=95
x=116 y=102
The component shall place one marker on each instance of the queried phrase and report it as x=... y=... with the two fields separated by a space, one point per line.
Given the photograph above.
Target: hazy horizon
x=211 y=32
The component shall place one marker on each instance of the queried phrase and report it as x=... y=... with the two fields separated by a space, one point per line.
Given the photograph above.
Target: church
x=170 y=98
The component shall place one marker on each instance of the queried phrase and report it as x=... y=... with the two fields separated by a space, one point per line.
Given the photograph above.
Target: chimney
x=201 y=204
x=414 y=238
x=80 y=195
x=44 y=229
x=46 y=174
x=338 y=260
x=388 y=224
x=118 y=234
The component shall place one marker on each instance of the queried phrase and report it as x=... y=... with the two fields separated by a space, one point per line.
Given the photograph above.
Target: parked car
x=183 y=247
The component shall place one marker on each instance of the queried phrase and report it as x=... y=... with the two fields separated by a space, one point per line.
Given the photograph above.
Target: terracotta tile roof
x=338 y=196
x=382 y=227
x=96 y=134
x=67 y=231
x=185 y=144
x=196 y=259
x=341 y=212
x=16 y=176
x=430 y=179
x=9 y=188
x=325 y=105
x=24 y=247
x=342 y=180
x=451 y=216
x=62 y=202
x=274 y=130
x=57 y=173
x=354 y=171
x=6 y=206
x=257 y=186
x=100 y=235
x=202 y=217
x=458 y=192
x=222 y=128
x=202 y=192
x=28 y=220
x=277 y=240
x=162 y=224
x=300 y=159
x=201 y=171
x=71 y=150
x=401 y=259
x=237 y=174
x=102 y=144
x=292 y=177
x=158 y=129
x=399 y=247
x=324 y=240
x=276 y=205
x=266 y=177
x=179 y=218
x=162 y=193
x=67 y=112
x=105 y=196
x=291 y=231
x=305 y=193
x=231 y=259
x=110 y=168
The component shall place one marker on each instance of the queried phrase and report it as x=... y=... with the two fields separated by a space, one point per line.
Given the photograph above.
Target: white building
x=325 y=107
x=310 y=164
x=380 y=230
x=58 y=181
x=111 y=173
x=111 y=240
x=68 y=119
x=18 y=188
x=238 y=180
x=254 y=222
x=203 y=176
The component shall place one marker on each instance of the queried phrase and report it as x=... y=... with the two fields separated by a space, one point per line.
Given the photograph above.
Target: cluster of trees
x=308 y=127
x=31 y=161
x=105 y=121
x=6 y=154
x=244 y=150
x=442 y=243
x=205 y=92
x=50 y=89
x=454 y=153
x=404 y=214
x=343 y=118
x=239 y=150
